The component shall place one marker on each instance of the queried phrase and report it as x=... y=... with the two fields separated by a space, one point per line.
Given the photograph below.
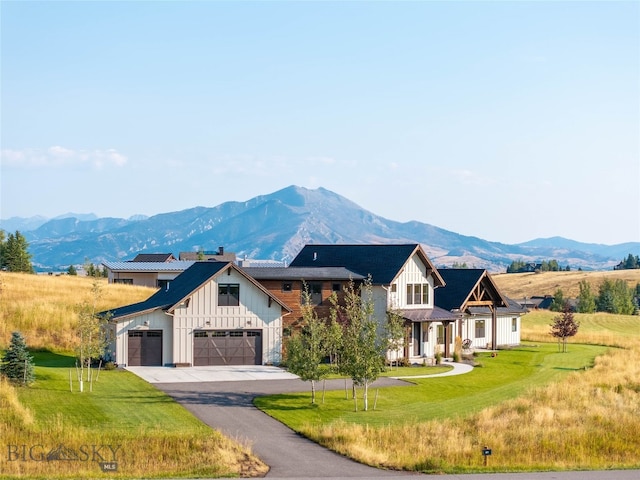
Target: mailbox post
x=486 y=451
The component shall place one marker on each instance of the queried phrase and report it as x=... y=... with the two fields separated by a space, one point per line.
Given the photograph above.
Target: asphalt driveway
x=228 y=407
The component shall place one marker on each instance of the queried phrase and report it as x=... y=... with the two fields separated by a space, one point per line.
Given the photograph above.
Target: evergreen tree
x=17 y=364
x=72 y=270
x=564 y=326
x=15 y=254
x=586 y=299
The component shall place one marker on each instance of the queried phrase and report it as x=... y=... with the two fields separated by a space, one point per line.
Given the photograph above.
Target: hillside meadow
x=521 y=285
x=122 y=417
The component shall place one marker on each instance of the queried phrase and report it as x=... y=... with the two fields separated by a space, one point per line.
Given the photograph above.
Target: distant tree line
x=520 y=266
x=613 y=296
x=14 y=253
x=629 y=263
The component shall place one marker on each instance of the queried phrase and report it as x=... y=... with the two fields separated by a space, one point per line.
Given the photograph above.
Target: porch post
x=494 y=327
x=447 y=340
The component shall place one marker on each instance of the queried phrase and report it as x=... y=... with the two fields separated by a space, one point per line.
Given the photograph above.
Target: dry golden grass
x=44 y=308
x=590 y=420
x=520 y=285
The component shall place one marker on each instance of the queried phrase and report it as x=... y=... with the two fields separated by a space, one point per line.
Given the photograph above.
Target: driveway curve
x=228 y=407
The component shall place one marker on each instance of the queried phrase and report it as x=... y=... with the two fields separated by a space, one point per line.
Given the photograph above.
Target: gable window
x=229 y=295
x=514 y=324
x=480 y=332
x=418 y=294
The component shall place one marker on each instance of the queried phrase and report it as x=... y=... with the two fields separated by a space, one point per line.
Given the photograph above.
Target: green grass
x=499 y=378
x=153 y=435
x=118 y=399
x=406 y=371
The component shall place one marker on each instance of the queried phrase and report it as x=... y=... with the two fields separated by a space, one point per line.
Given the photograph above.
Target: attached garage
x=145 y=348
x=227 y=347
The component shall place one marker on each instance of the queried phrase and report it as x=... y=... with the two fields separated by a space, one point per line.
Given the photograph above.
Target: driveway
x=227 y=405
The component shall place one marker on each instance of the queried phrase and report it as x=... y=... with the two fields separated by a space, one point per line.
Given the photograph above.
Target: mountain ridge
x=277 y=225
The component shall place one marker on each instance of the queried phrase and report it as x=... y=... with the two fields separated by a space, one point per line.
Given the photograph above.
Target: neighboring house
x=211 y=314
x=154 y=257
x=289 y=284
x=146 y=274
x=219 y=256
x=488 y=319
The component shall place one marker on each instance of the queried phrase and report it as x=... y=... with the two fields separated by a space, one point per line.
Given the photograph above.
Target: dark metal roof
x=435 y=314
x=179 y=288
x=382 y=262
x=513 y=308
x=154 y=257
x=301 y=273
x=182 y=287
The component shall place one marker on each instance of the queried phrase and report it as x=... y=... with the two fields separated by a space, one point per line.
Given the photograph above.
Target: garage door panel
x=144 y=348
x=227 y=347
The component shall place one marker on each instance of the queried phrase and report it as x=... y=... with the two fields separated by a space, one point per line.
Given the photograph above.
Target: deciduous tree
x=586 y=299
x=564 y=326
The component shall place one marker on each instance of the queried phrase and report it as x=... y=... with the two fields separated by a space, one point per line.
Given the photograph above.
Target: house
x=147 y=274
x=402 y=279
x=437 y=305
x=289 y=283
x=211 y=314
x=487 y=319
x=219 y=256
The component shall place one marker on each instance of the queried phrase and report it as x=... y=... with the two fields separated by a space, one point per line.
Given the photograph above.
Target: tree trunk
x=313 y=391
x=365 y=396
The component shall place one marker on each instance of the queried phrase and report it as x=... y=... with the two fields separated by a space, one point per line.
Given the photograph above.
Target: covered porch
x=429 y=330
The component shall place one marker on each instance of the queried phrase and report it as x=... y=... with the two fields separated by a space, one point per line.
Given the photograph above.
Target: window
x=124 y=281
x=229 y=295
x=418 y=294
x=315 y=293
x=236 y=334
x=287 y=287
x=336 y=287
x=480 y=333
x=394 y=288
x=440 y=334
x=163 y=284
x=514 y=324
x=200 y=334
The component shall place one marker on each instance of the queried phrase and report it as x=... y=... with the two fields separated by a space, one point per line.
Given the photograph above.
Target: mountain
x=276 y=226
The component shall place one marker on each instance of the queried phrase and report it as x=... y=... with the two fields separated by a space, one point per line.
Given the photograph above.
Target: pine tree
x=15 y=256
x=17 y=364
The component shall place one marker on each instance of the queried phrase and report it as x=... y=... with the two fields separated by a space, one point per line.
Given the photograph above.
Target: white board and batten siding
x=202 y=312
x=414 y=271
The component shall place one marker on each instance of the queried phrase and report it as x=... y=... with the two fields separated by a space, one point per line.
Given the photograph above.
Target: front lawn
x=131 y=422
x=499 y=378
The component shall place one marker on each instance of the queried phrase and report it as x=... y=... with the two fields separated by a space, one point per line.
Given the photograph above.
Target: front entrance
x=227 y=347
x=144 y=348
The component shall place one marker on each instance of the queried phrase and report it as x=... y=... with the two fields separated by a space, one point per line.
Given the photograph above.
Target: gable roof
x=154 y=257
x=181 y=288
x=460 y=284
x=382 y=262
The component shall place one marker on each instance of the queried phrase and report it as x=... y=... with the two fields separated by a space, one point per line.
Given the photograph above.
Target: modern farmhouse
x=217 y=313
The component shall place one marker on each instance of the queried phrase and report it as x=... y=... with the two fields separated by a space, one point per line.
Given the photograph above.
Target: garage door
x=235 y=347
x=145 y=348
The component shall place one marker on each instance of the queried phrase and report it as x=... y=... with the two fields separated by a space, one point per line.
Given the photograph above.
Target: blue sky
x=503 y=120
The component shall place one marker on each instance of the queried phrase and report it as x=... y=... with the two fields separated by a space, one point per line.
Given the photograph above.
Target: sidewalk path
x=458 y=369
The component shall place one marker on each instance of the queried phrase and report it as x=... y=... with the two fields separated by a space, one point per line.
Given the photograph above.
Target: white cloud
x=469 y=177
x=58 y=157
